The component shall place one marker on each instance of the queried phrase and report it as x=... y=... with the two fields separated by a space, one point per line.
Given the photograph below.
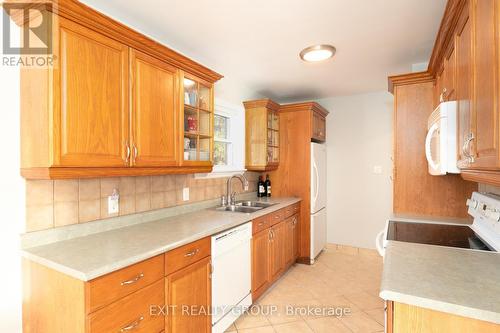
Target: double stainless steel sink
x=245 y=206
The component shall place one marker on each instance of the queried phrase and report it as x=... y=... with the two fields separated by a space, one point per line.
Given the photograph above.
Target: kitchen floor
x=342 y=278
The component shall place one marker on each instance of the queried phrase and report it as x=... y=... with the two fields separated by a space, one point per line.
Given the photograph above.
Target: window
x=229 y=140
x=222 y=140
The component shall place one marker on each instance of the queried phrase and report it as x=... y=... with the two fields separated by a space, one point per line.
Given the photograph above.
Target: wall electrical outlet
x=114 y=202
x=185 y=194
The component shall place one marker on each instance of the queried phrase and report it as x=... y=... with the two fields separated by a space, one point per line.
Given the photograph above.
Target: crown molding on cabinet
x=90 y=18
x=411 y=78
x=262 y=103
x=305 y=106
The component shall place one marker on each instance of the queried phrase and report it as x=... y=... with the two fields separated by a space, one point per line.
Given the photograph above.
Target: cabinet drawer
x=111 y=287
x=277 y=217
x=291 y=210
x=186 y=255
x=132 y=313
x=260 y=224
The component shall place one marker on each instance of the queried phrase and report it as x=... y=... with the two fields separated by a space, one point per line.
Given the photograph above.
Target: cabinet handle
x=132 y=325
x=192 y=253
x=127 y=157
x=294 y=221
x=132 y=281
x=466 y=148
x=270 y=235
x=211 y=269
x=136 y=151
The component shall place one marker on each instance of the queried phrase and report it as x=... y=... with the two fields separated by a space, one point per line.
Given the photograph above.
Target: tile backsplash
x=489 y=189
x=56 y=203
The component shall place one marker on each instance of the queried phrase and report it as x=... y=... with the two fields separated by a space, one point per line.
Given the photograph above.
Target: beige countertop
x=97 y=254
x=458 y=281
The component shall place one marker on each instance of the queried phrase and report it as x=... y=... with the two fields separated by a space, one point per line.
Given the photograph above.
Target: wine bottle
x=261 y=191
x=267 y=186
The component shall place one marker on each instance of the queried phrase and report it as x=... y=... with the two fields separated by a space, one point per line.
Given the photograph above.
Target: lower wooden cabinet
x=277 y=250
x=188 y=298
x=274 y=249
x=260 y=262
x=131 y=313
x=404 y=318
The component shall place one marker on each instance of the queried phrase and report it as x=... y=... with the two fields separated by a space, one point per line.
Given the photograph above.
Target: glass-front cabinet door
x=273 y=137
x=198 y=117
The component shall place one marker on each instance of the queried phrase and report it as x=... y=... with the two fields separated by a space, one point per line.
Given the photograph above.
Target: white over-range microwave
x=441 y=140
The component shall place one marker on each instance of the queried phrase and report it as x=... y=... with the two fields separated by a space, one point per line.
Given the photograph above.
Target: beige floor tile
x=336 y=302
x=231 y=328
x=378 y=315
x=263 y=329
x=250 y=320
x=361 y=323
x=327 y=325
x=365 y=301
x=295 y=327
x=284 y=314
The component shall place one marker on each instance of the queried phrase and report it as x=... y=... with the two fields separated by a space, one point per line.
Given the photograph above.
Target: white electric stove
x=482 y=235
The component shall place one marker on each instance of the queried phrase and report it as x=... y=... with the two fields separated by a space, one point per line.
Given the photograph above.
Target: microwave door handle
x=428 y=153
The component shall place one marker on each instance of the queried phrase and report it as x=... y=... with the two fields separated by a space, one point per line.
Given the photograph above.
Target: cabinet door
x=91 y=117
x=260 y=262
x=485 y=108
x=154 y=111
x=463 y=47
x=295 y=246
x=449 y=71
x=277 y=251
x=288 y=242
x=319 y=127
x=188 y=299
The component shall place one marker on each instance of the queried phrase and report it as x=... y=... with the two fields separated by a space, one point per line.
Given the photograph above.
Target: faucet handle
x=233 y=198
x=223 y=201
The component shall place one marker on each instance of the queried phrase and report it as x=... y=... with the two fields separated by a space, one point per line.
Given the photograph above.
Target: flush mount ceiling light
x=317 y=53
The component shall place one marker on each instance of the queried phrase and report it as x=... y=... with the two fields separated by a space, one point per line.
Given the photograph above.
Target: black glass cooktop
x=436 y=234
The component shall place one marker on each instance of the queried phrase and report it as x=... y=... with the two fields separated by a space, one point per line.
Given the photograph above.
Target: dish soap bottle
x=261 y=191
x=267 y=185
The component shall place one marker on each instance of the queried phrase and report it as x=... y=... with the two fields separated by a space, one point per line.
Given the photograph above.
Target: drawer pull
x=133 y=325
x=192 y=253
x=261 y=223
x=132 y=281
x=276 y=217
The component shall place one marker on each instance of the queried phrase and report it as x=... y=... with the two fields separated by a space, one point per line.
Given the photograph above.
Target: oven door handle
x=379 y=243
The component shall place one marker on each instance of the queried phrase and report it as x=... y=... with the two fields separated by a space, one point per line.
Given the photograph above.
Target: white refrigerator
x=318 y=199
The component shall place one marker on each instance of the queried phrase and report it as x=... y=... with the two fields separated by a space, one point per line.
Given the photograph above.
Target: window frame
x=235 y=140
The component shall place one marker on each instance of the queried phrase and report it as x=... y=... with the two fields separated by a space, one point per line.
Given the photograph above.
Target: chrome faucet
x=231 y=196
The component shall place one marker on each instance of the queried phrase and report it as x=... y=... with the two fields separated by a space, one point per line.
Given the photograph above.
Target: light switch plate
x=377 y=169
x=113 y=204
x=185 y=194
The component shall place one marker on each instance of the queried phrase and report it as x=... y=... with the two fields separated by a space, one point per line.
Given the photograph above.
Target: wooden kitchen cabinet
x=188 y=298
x=274 y=247
x=485 y=98
x=197 y=117
x=262 y=132
x=463 y=46
x=277 y=250
x=90 y=99
x=154 y=116
x=318 y=127
x=260 y=262
x=404 y=318
x=112 y=103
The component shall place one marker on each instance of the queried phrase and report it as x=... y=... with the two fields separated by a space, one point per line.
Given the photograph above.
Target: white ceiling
x=255 y=43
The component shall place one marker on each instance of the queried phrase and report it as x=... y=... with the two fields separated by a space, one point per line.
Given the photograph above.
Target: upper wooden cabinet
x=113 y=104
x=197 y=117
x=154 y=113
x=90 y=99
x=262 y=133
x=318 y=126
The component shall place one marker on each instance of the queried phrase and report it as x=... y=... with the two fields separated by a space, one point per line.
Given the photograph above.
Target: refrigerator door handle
x=316 y=184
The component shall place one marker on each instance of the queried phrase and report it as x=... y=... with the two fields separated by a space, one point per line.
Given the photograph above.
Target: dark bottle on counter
x=261 y=190
x=267 y=186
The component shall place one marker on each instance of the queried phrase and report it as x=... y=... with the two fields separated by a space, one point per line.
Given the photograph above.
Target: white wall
x=359 y=137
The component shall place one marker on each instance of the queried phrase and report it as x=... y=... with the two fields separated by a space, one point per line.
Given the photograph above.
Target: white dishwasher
x=231 y=276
